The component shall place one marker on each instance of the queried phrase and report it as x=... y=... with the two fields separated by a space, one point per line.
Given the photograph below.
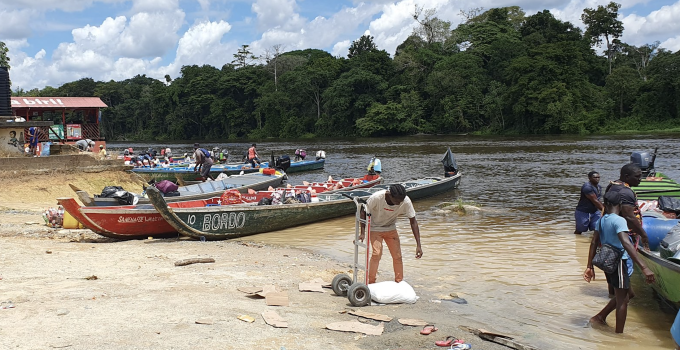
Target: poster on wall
x=56 y=132
x=73 y=132
x=11 y=141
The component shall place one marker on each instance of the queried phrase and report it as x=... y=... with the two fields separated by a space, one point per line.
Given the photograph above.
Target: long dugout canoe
x=224 y=222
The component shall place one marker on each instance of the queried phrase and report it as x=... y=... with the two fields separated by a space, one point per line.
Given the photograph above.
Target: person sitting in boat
x=374 y=167
x=223 y=156
x=320 y=155
x=300 y=154
x=203 y=163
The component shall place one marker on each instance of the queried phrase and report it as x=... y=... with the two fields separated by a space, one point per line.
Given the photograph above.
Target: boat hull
x=128 y=224
x=224 y=222
x=652 y=188
x=188 y=174
x=208 y=189
x=667 y=276
x=142 y=221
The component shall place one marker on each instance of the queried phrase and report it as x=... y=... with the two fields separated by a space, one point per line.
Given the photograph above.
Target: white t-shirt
x=384 y=216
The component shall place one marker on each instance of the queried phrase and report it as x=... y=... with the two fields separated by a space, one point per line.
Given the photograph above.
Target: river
x=516 y=261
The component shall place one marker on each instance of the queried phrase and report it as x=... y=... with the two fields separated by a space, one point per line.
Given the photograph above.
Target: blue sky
x=53 y=42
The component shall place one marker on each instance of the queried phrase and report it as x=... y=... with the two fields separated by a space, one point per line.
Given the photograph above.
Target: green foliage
x=499 y=72
x=361 y=45
x=4 y=59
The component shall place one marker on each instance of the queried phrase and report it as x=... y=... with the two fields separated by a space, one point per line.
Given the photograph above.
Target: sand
x=72 y=289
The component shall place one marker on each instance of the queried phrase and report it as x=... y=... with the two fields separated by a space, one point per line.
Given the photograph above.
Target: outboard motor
x=282 y=162
x=449 y=162
x=645 y=161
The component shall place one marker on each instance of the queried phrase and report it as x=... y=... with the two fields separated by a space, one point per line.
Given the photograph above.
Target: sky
x=54 y=42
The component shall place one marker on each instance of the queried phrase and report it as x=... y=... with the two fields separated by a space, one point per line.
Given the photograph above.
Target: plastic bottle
x=462 y=347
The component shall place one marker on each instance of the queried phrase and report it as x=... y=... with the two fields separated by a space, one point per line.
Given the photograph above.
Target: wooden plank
x=194 y=261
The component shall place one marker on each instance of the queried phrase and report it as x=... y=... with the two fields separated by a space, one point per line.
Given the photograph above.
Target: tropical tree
x=361 y=45
x=603 y=23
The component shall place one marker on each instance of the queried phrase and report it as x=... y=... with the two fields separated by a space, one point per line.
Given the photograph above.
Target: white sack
x=390 y=292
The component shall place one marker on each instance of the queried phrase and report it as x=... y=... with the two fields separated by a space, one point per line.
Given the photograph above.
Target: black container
x=5 y=93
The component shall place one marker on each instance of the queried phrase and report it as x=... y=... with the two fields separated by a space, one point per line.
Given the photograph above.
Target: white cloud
x=277 y=14
x=396 y=22
x=48 y=5
x=201 y=44
x=14 y=23
x=321 y=32
x=151 y=34
x=672 y=44
x=341 y=48
x=657 y=25
x=154 y=5
x=104 y=38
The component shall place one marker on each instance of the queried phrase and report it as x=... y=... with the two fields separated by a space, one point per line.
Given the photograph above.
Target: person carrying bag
x=612 y=232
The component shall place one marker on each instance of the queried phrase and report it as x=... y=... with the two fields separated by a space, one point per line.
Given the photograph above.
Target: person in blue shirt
x=612 y=229
x=589 y=207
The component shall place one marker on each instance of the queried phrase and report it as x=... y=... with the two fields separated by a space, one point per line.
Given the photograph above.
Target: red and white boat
x=142 y=221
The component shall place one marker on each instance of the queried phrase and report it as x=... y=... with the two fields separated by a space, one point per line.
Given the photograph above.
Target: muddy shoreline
x=138 y=299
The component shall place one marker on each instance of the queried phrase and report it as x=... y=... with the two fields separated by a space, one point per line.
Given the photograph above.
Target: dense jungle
x=498 y=72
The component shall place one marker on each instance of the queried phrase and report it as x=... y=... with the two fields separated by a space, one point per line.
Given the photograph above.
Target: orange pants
x=391 y=238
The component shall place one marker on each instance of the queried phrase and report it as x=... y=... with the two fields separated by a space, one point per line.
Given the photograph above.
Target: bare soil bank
x=140 y=300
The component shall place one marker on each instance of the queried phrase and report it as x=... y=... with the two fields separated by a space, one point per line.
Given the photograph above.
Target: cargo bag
x=166 y=186
x=671 y=204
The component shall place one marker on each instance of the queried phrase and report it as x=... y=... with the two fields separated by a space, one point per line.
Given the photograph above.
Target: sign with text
x=74 y=132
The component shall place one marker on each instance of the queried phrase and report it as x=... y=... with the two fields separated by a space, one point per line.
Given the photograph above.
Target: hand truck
x=358 y=293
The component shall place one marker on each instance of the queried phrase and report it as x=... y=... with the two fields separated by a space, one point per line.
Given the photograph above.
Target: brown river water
x=516 y=261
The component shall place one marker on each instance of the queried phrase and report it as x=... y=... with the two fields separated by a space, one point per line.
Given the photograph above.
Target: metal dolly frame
x=358 y=293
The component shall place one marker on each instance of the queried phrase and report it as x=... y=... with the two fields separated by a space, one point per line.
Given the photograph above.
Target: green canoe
x=652 y=187
x=667 y=275
x=237 y=220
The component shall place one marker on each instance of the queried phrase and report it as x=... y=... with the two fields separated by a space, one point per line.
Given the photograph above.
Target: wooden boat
x=650 y=188
x=255 y=181
x=188 y=173
x=667 y=274
x=142 y=221
x=224 y=222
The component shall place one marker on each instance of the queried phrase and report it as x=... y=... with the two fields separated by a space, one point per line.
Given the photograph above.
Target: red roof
x=57 y=102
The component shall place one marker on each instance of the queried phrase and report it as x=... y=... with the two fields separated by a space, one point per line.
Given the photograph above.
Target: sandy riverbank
x=140 y=300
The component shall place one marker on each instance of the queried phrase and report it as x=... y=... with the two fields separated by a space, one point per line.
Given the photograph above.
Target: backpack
x=206 y=153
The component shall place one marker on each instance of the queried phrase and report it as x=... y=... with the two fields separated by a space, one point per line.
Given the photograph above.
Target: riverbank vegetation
x=499 y=72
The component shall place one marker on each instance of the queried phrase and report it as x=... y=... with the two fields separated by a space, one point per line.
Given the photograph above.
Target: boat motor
x=282 y=162
x=645 y=161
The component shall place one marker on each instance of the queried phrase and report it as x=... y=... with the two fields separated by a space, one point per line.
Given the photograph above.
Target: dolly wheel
x=341 y=284
x=359 y=294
